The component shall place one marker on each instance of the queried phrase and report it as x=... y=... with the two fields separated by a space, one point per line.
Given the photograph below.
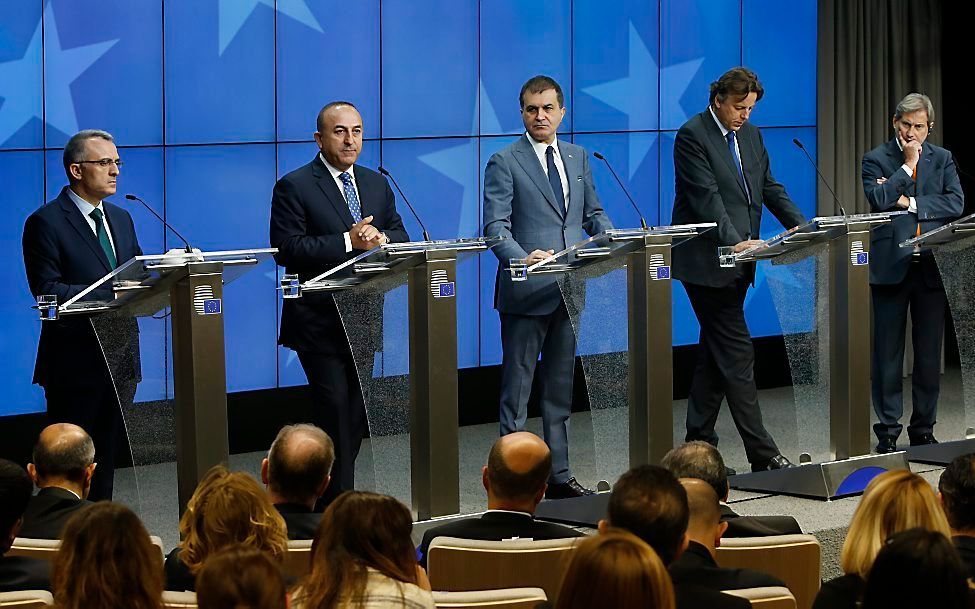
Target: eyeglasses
x=102 y=162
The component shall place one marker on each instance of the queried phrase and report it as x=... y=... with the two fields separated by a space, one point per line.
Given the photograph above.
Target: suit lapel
x=924 y=169
x=331 y=190
x=719 y=142
x=367 y=201
x=573 y=168
x=121 y=238
x=79 y=224
x=525 y=155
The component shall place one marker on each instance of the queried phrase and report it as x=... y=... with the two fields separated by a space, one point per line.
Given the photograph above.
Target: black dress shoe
x=776 y=462
x=567 y=489
x=886 y=445
x=924 y=438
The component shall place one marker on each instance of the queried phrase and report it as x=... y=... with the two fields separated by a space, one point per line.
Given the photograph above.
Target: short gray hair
x=914 y=102
x=700 y=460
x=68 y=457
x=74 y=150
x=296 y=477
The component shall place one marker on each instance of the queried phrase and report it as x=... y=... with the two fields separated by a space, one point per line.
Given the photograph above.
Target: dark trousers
x=922 y=292
x=725 y=368
x=339 y=410
x=523 y=339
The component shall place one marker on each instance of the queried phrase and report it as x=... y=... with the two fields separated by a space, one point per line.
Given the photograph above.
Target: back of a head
x=300 y=459
x=917 y=568
x=15 y=492
x=699 y=460
x=241 y=578
x=107 y=560
x=518 y=466
x=617 y=570
x=894 y=501
x=703 y=508
x=649 y=502
x=63 y=452
x=957 y=487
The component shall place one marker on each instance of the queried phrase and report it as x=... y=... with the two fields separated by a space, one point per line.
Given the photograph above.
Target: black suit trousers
x=725 y=367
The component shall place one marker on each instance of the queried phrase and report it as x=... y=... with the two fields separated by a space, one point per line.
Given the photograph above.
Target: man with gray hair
x=908 y=173
x=69 y=244
x=296 y=472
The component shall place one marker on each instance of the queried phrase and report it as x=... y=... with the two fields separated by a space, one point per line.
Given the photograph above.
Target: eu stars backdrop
x=211 y=101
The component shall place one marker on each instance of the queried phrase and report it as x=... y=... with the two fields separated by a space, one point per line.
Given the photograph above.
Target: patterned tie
x=553 y=176
x=96 y=215
x=350 y=197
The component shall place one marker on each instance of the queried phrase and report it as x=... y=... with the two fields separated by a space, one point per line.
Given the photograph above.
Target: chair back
x=27 y=599
x=179 y=600
x=506 y=598
x=795 y=559
x=767 y=598
x=297 y=562
x=45 y=549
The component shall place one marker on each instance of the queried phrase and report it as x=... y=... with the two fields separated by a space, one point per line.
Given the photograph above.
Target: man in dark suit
x=704 y=532
x=539 y=195
x=514 y=478
x=17 y=572
x=649 y=502
x=69 y=244
x=908 y=173
x=62 y=468
x=702 y=461
x=323 y=214
x=723 y=176
x=296 y=472
x=956 y=489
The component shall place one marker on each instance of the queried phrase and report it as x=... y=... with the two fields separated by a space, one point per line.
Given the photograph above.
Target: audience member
x=241 y=578
x=698 y=459
x=956 y=488
x=17 y=572
x=227 y=509
x=107 y=560
x=515 y=476
x=616 y=570
x=62 y=467
x=297 y=471
x=649 y=502
x=363 y=557
x=917 y=568
x=894 y=501
x=697 y=564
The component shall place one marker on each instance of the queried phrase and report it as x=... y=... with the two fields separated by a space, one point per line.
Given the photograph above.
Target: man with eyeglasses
x=69 y=244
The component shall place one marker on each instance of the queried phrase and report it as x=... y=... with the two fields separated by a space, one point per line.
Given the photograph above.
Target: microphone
x=643 y=222
x=806 y=152
x=131 y=197
x=426 y=235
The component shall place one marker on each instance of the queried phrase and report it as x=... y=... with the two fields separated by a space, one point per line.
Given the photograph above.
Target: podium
x=192 y=285
x=359 y=286
x=953 y=246
x=845 y=243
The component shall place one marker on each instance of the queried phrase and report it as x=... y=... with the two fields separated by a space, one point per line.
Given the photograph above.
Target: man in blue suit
x=69 y=244
x=908 y=173
x=539 y=195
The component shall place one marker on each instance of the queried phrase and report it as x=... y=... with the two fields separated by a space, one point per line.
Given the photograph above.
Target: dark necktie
x=351 y=198
x=103 y=241
x=553 y=176
x=734 y=155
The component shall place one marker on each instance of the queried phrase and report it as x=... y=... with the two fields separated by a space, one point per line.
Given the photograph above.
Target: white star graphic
x=233 y=14
x=62 y=67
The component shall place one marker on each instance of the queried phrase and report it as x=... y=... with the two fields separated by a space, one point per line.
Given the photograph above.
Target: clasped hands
x=364 y=235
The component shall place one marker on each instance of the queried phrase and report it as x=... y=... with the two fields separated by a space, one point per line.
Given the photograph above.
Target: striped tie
x=103 y=241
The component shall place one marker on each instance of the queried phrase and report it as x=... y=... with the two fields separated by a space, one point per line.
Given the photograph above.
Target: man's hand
x=538 y=256
x=747 y=244
x=912 y=152
x=903 y=202
x=364 y=235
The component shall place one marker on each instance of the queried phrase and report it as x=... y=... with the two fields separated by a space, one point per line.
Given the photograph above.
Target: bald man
x=515 y=478
x=62 y=467
x=704 y=530
x=296 y=472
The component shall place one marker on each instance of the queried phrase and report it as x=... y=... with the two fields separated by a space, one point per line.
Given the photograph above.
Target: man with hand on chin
x=323 y=214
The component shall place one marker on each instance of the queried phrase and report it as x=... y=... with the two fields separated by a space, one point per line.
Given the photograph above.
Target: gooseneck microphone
x=811 y=161
x=426 y=235
x=643 y=222
x=131 y=197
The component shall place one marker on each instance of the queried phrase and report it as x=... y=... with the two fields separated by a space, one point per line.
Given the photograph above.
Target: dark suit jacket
x=22 y=573
x=47 y=512
x=308 y=217
x=693 y=596
x=844 y=592
x=178 y=576
x=708 y=190
x=937 y=193
x=496 y=526
x=696 y=566
x=302 y=523
x=758 y=526
x=966 y=549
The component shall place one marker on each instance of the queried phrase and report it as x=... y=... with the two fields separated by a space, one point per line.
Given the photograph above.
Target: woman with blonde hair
x=227 y=509
x=363 y=557
x=616 y=569
x=107 y=560
x=893 y=502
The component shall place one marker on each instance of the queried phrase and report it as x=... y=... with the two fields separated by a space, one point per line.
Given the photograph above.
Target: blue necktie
x=553 y=176
x=96 y=215
x=737 y=159
x=351 y=198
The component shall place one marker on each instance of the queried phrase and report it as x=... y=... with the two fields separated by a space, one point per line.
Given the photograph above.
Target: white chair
x=46 y=549
x=179 y=600
x=795 y=559
x=767 y=598
x=506 y=598
x=26 y=599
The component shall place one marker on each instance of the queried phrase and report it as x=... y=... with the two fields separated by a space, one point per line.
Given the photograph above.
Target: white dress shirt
x=336 y=175
x=540 y=148
x=86 y=208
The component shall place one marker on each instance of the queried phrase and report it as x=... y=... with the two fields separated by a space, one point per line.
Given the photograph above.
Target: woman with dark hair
x=363 y=557
x=241 y=577
x=107 y=560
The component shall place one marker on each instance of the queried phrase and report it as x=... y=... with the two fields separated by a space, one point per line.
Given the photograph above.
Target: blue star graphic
x=21 y=102
x=233 y=14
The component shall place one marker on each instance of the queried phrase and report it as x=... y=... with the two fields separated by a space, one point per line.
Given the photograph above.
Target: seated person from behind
x=17 y=572
x=238 y=578
x=700 y=460
x=956 y=489
x=63 y=464
x=296 y=472
x=704 y=531
x=515 y=476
